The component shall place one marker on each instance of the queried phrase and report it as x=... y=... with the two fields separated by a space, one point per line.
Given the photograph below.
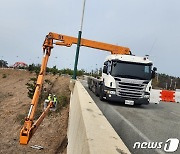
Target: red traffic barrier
x=167 y=96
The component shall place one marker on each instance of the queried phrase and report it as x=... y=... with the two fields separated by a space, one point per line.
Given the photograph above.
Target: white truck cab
x=125 y=78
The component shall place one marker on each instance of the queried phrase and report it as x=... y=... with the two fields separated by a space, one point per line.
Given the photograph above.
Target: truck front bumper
x=115 y=98
x=111 y=96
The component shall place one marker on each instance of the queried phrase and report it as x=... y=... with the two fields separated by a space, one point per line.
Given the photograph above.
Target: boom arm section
x=64 y=40
x=29 y=126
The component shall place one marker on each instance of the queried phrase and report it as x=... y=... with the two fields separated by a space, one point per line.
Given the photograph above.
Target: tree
x=165 y=81
x=34 y=68
x=3 y=63
x=54 y=70
x=31 y=86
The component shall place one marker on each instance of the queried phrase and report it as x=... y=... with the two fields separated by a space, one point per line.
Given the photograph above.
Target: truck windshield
x=131 y=70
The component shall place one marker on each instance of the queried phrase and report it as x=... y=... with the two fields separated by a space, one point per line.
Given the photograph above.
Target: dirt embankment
x=14 y=105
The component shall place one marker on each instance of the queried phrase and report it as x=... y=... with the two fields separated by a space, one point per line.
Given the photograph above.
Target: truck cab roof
x=129 y=58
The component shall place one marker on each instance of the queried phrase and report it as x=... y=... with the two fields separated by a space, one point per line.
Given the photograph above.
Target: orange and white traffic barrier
x=177 y=96
x=164 y=96
x=167 y=96
x=155 y=96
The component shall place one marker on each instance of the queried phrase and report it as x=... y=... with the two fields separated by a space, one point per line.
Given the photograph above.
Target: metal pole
x=175 y=85
x=77 y=55
x=157 y=77
x=2 y=61
x=166 y=85
x=82 y=19
x=171 y=83
x=78 y=43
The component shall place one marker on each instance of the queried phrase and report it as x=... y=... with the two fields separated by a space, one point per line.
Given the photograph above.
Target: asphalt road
x=146 y=123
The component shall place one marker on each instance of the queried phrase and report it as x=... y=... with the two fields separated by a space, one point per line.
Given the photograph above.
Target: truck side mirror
x=154 y=69
x=153 y=72
x=105 y=69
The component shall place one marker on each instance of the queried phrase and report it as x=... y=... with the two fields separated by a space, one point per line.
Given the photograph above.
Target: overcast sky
x=145 y=26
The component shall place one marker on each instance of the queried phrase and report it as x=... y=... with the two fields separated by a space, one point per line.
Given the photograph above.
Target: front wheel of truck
x=101 y=95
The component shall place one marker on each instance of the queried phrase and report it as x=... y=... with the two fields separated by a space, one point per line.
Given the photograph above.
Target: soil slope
x=14 y=105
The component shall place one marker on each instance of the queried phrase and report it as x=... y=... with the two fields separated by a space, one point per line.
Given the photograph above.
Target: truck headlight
x=146 y=96
x=111 y=92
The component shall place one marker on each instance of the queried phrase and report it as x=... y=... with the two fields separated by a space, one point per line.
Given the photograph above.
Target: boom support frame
x=30 y=127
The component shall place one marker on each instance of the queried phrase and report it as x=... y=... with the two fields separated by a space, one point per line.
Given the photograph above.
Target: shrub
x=4 y=76
x=31 y=86
x=62 y=102
x=21 y=118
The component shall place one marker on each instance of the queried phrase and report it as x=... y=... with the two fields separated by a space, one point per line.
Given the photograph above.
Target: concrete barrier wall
x=89 y=132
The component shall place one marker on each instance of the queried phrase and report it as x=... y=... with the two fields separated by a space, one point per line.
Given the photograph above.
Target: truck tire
x=101 y=93
x=96 y=91
x=89 y=87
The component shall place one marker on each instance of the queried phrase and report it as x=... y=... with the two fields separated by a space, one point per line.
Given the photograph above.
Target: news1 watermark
x=171 y=145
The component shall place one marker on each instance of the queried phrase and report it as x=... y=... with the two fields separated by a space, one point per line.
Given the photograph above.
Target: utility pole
x=2 y=62
x=171 y=83
x=157 y=77
x=175 y=85
x=79 y=42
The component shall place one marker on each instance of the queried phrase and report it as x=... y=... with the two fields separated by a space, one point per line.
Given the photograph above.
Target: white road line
x=137 y=130
x=175 y=114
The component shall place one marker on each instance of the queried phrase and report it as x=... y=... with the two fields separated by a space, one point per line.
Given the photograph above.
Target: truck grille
x=129 y=89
